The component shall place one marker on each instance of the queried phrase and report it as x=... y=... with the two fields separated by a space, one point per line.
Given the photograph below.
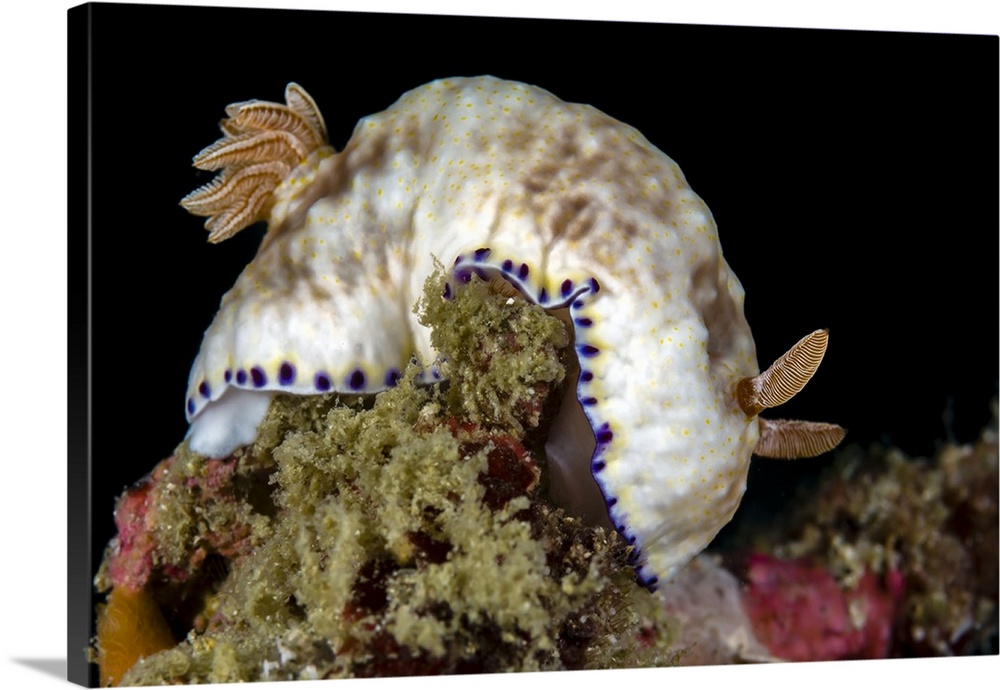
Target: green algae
x=531 y=346
x=408 y=532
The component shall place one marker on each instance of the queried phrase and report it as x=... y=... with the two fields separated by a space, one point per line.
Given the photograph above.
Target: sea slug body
x=576 y=210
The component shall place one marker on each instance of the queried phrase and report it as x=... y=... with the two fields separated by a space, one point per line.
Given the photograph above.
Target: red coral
x=510 y=470
x=132 y=550
x=798 y=610
x=216 y=485
x=137 y=556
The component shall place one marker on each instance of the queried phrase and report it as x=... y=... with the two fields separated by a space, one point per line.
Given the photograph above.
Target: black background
x=853 y=177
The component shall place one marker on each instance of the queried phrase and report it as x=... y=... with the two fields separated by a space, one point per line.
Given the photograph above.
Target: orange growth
x=130 y=626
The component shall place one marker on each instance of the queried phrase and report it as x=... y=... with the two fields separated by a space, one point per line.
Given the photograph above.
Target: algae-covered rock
x=399 y=534
x=913 y=539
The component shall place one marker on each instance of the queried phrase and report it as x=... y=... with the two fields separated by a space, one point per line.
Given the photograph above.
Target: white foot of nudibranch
x=569 y=451
x=228 y=423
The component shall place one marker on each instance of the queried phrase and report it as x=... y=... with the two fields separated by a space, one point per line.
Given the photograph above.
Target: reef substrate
x=404 y=533
x=411 y=533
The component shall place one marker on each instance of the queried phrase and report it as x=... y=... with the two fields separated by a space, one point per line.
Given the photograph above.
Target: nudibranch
x=578 y=212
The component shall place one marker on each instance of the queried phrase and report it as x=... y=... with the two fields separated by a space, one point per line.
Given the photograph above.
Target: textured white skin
x=570 y=193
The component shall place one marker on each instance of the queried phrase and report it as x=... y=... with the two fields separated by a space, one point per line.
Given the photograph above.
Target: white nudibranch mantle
x=577 y=211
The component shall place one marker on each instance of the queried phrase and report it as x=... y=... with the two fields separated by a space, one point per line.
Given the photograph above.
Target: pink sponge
x=799 y=611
